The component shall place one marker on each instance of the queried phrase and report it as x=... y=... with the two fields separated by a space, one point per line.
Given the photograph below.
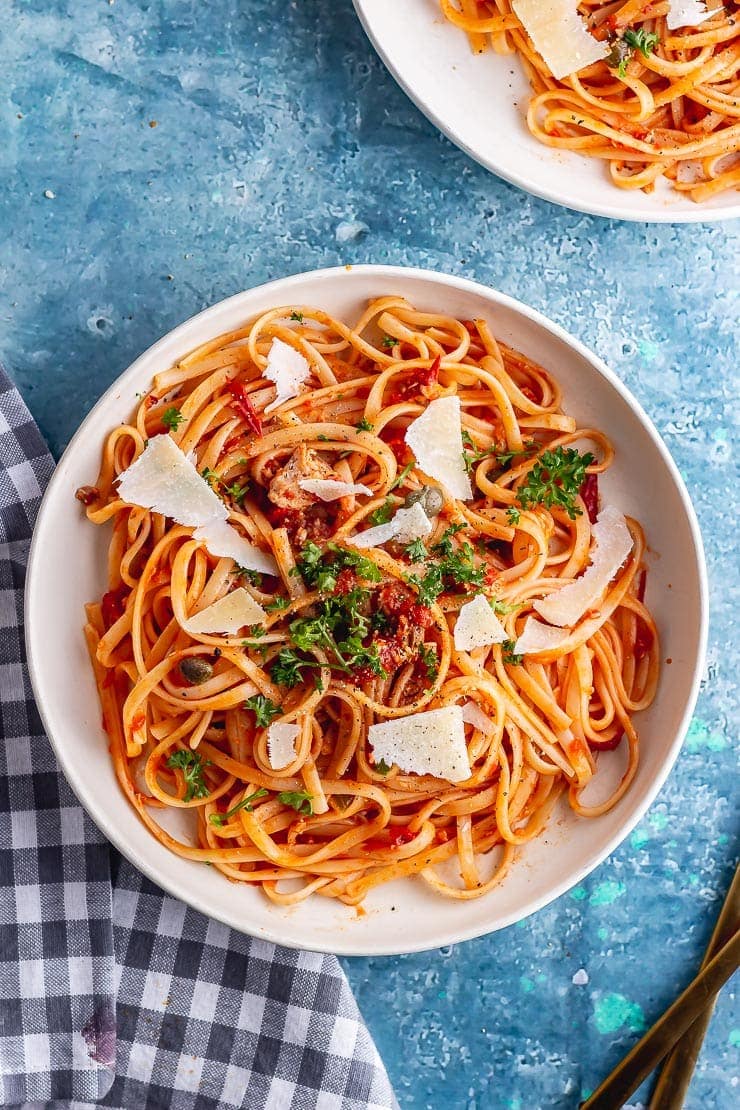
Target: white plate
x=480 y=103
x=67 y=568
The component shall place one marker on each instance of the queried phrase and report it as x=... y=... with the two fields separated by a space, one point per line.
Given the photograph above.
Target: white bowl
x=479 y=102
x=67 y=568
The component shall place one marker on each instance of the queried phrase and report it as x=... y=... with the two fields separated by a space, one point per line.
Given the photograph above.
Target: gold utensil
x=675 y=1075
x=650 y=1050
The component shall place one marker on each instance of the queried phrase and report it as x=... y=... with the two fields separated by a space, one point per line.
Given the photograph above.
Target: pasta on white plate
x=651 y=88
x=303 y=511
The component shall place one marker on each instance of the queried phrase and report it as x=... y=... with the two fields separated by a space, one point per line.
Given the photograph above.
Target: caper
x=429 y=497
x=196 y=669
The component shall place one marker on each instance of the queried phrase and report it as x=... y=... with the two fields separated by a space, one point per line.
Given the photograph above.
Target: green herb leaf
x=388 y=341
x=642 y=40
x=401 y=478
x=502 y=608
x=365 y=426
x=513 y=515
x=276 y=604
x=296 y=316
x=172 y=418
x=382 y=767
x=237 y=491
x=220 y=819
x=508 y=654
x=555 y=479
x=288 y=667
x=264 y=710
x=383 y=513
x=209 y=475
x=298 y=800
x=252 y=576
x=416 y=551
x=428 y=656
x=191 y=764
x=430 y=586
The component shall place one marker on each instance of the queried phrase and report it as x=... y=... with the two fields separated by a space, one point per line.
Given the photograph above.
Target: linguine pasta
x=664 y=104
x=358 y=636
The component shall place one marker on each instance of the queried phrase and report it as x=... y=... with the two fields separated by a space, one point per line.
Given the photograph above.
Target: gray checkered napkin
x=112 y=993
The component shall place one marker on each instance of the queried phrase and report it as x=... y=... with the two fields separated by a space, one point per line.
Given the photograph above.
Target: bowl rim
x=95 y=807
x=532 y=184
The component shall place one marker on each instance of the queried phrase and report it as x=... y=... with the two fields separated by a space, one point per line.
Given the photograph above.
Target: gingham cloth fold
x=111 y=992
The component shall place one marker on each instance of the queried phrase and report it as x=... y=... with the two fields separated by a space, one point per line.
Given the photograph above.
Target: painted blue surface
x=280 y=145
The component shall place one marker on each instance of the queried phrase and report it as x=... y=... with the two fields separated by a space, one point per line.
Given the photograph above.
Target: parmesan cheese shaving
x=473 y=715
x=288 y=369
x=613 y=543
x=224 y=542
x=407 y=525
x=230 y=613
x=165 y=481
x=435 y=438
x=686 y=13
x=560 y=35
x=328 y=489
x=537 y=636
x=281 y=738
x=431 y=743
x=477 y=625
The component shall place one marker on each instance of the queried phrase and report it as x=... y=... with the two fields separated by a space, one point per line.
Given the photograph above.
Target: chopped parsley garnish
x=172 y=418
x=365 y=426
x=444 y=547
x=401 y=478
x=320 y=569
x=642 y=40
x=237 y=491
x=339 y=628
x=388 y=341
x=473 y=454
x=430 y=586
x=555 y=479
x=288 y=667
x=209 y=475
x=623 y=49
x=416 y=551
x=382 y=767
x=513 y=515
x=254 y=577
x=191 y=764
x=428 y=656
x=296 y=316
x=454 y=564
x=298 y=800
x=509 y=655
x=246 y=803
x=503 y=608
x=277 y=603
x=383 y=513
x=264 y=710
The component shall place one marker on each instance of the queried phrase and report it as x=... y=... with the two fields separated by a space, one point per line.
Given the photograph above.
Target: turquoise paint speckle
x=701 y=736
x=277 y=126
x=526 y=984
x=606 y=893
x=648 y=350
x=614 y=1011
x=734 y=1038
x=640 y=838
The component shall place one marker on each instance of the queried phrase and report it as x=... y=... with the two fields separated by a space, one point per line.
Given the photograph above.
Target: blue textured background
x=158 y=156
